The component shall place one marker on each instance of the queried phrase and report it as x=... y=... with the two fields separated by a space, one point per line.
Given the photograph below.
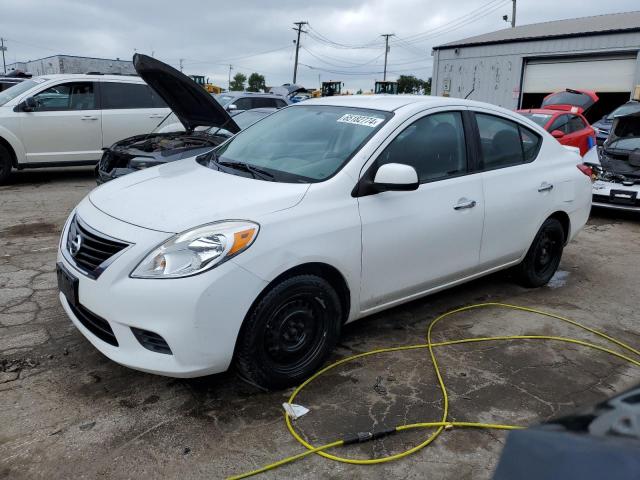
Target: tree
x=427 y=86
x=410 y=84
x=238 y=81
x=256 y=83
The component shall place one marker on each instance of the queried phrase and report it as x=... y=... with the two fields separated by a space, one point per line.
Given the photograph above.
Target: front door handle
x=156 y=116
x=89 y=117
x=463 y=204
x=545 y=187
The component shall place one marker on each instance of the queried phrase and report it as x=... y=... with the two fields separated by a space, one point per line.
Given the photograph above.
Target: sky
x=343 y=39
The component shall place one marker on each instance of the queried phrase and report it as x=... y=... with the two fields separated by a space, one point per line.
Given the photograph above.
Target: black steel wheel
x=543 y=257
x=289 y=333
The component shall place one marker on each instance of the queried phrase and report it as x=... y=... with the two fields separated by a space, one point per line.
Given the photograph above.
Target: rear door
x=518 y=190
x=65 y=127
x=129 y=109
x=418 y=240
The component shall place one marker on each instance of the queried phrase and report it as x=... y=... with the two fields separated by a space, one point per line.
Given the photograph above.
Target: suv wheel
x=289 y=333
x=5 y=164
x=544 y=255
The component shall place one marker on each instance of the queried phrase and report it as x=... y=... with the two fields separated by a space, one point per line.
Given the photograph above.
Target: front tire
x=543 y=257
x=289 y=333
x=5 y=165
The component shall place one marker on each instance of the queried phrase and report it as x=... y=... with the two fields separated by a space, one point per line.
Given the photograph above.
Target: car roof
x=89 y=76
x=251 y=94
x=543 y=111
x=390 y=103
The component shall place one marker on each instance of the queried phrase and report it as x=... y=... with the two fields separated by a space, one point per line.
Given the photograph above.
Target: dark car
x=603 y=126
x=205 y=123
x=239 y=101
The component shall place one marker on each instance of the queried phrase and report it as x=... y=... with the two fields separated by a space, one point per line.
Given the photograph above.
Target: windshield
x=540 y=118
x=625 y=109
x=223 y=99
x=625 y=134
x=303 y=143
x=17 y=90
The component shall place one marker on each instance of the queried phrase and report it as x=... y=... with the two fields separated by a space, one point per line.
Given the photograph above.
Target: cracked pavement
x=67 y=411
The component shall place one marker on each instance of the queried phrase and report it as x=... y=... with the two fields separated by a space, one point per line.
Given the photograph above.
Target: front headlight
x=198 y=250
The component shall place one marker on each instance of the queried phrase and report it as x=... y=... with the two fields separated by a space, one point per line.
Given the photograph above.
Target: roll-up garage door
x=603 y=74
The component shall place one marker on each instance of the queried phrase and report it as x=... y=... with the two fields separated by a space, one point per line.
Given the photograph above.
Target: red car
x=561 y=114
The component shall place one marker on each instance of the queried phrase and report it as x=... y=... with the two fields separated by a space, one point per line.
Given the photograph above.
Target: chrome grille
x=89 y=249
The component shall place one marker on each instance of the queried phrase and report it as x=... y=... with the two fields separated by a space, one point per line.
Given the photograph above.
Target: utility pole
x=229 y=87
x=181 y=60
x=513 y=14
x=3 y=49
x=295 y=65
x=386 y=52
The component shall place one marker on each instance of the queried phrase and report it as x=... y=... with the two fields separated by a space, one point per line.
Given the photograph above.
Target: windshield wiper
x=256 y=172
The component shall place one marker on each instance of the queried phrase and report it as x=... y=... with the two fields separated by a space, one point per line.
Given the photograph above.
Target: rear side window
x=264 y=103
x=434 y=145
x=505 y=143
x=561 y=123
x=66 y=96
x=118 y=96
x=280 y=103
x=243 y=103
x=576 y=124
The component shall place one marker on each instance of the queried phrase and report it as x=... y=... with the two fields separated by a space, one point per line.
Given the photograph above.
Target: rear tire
x=289 y=333
x=5 y=164
x=543 y=257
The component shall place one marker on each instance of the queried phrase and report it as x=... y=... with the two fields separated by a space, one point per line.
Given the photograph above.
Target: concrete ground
x=68 y=412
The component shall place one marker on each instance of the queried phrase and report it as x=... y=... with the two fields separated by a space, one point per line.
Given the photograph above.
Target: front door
x=418 y=240
x=66 y=125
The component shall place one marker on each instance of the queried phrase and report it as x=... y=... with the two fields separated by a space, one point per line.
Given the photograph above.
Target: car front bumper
x=199 y=317
x=616 y=196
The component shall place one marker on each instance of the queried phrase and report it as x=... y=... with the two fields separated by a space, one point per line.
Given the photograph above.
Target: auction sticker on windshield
x=363 y=120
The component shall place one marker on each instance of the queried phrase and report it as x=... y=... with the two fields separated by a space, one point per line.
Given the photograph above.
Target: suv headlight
x=198 y=250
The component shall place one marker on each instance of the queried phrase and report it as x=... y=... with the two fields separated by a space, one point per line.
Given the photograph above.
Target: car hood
x=178 y=196
x=191 y=103
x=575 y=101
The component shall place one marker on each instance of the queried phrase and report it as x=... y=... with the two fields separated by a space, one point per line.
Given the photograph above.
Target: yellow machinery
x=209 y=87
x=390 y=88
x=329 y=89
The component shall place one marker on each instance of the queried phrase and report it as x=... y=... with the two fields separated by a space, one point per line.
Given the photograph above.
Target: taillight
x=587 y=170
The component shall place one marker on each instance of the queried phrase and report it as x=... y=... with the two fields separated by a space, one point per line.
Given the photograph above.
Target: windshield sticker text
x=361 y=120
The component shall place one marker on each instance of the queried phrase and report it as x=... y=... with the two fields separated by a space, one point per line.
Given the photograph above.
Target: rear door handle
x=89 y=117
x=464 y=204
x=545 y=187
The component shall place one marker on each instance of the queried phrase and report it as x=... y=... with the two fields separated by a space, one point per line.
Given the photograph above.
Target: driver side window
x=67 y=96
x=434 y=145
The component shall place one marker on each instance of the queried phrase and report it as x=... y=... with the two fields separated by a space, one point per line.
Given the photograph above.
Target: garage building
x=517 y=67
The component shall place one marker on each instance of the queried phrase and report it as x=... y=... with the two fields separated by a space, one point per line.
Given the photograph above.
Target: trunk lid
x=575 y=101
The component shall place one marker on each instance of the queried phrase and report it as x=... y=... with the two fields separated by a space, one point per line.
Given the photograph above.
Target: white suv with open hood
x=65 y=120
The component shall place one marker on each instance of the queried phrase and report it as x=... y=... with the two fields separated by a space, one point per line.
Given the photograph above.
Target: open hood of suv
x=575 y=101
x=192 y=104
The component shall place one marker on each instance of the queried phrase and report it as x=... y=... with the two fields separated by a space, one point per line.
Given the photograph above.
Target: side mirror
x=29 y=104
x=232 y=107
x=557 y=134
x=396 y=177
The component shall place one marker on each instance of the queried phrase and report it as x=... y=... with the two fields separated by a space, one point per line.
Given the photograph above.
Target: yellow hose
x=443 y=423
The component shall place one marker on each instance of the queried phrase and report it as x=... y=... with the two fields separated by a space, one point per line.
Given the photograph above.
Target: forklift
x=329 y=89
x=387 y=87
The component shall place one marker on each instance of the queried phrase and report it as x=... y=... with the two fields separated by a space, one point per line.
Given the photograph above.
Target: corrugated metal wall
x=493 y=73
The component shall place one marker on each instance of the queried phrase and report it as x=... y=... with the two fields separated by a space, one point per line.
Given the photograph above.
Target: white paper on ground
x=295 y=411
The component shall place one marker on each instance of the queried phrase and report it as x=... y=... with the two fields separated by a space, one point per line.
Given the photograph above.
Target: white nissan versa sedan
x=319 y=214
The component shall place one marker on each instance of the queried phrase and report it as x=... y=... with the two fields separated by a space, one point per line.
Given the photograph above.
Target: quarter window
x=119 y=96
x=504 y=143
x=434 y=145
x=66 y=96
